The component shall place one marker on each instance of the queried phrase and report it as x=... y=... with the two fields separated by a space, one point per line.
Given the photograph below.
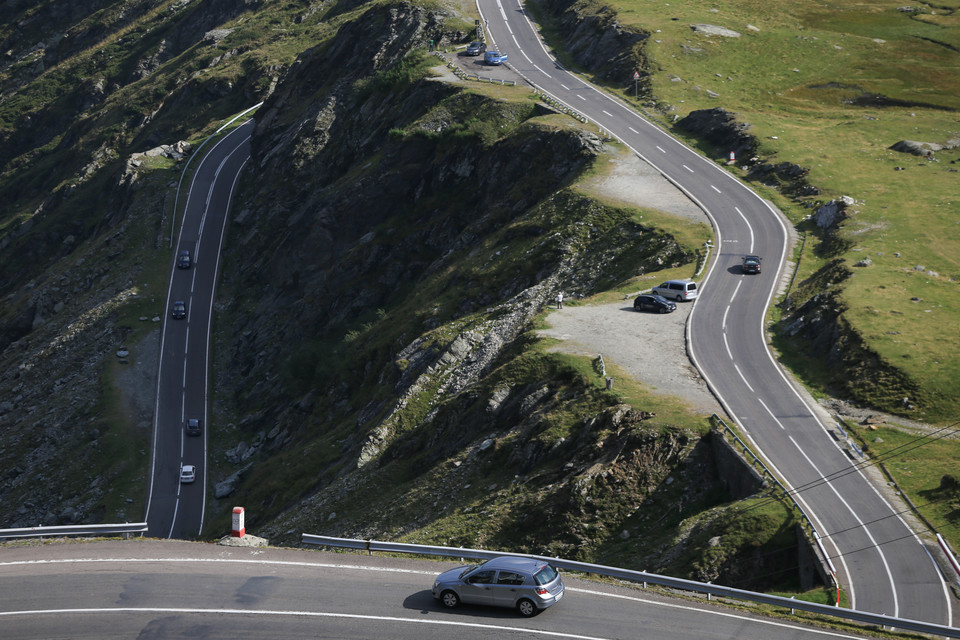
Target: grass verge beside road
x=831 y=89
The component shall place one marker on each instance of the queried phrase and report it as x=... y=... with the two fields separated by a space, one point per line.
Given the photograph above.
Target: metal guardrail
x=75 y=530
x=643 y=577
x=767 y=474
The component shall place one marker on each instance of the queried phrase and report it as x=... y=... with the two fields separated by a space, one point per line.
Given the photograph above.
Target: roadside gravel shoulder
x=650 y=347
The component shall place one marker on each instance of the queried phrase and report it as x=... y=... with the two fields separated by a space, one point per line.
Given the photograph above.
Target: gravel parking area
x=649 y=346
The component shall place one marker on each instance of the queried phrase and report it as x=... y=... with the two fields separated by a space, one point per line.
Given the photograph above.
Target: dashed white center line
x=542 y=71
x=779 y=424
x=661 y=148
x=565 y=87
x=688 y=168
x=715 y=189
x=608 y=113
x=634 y=130
x=581 y=97
x=743 y=378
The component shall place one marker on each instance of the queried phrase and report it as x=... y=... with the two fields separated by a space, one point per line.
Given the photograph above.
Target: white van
x=678 y=290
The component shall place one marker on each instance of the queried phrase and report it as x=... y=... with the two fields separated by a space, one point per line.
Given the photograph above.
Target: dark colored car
x=524 y=584
x=179 y=311
x=751 y=264
x=476 y=48
x=494 y=58
x=651 y=302
x=183 y=260
x=193 y=427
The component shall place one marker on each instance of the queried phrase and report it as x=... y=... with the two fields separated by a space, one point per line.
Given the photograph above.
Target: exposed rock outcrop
x=597 y=40
x=924 y=149
x=721 y=129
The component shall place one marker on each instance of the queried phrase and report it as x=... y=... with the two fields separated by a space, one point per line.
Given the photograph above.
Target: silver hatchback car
x=524 y=584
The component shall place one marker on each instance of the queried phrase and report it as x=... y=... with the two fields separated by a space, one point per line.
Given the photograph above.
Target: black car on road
x=653 y=302
x=751 y=264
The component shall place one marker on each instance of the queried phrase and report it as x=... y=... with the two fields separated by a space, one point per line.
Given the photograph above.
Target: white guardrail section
x=644 y=578
x=75 y=530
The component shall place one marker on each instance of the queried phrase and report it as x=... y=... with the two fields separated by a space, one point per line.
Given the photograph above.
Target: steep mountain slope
x=397 y=238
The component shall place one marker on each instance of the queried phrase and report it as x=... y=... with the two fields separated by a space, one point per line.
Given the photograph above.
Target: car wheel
x=662 y=310
x=450 y=599
x=526 y=608
x=679 y=298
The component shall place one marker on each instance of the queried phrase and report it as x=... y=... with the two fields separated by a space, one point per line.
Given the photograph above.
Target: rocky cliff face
x=396 y=239
x=400 y=238
x=597 y=41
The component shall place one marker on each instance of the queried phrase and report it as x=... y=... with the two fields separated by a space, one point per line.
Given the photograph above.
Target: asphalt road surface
x=176 y=510
x=884 y=566
x=154 y=589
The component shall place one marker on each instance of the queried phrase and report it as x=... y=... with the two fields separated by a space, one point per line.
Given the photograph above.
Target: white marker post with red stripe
x=238 y=529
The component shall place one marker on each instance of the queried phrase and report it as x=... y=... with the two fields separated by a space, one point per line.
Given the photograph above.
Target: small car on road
x=751 y=264
x=193 y=427
x=179 y=310
x=188 y=473
x=183 y=260
x=651 y=302
x=525 y=584
x=476 y=48
x=494 y=58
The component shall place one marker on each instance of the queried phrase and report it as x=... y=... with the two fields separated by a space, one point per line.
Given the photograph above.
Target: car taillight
x=541 y=591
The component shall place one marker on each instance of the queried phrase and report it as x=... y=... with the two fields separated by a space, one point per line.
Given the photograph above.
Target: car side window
x=482 y=577
x=510 y=577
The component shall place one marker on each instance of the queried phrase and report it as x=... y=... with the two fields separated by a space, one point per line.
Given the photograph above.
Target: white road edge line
x=326 y=565
x=866 y=530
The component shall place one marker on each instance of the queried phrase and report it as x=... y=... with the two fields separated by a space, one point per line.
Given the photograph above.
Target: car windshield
x=471 y=567
x=546 y=575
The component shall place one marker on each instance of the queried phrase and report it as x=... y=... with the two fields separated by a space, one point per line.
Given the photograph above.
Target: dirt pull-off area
x=651 y=347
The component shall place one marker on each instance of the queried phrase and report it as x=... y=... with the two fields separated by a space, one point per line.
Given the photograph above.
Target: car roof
x=512 y=562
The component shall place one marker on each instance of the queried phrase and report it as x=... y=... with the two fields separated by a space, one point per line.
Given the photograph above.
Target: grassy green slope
x=831 y=88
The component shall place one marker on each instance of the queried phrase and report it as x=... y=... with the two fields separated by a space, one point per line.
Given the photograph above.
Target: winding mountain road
x=172 y=589
x=885 y=566
x=176 y=510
